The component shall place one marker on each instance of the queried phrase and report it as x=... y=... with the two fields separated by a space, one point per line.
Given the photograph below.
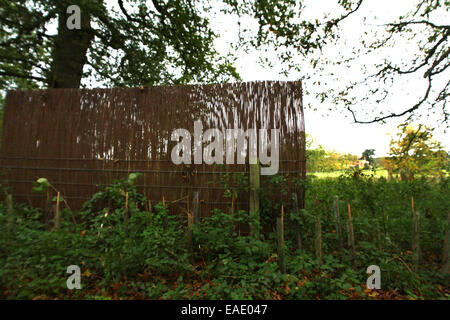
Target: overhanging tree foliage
x=140 y=43
x=420 y=37
x=430 y=60
x=413 y=48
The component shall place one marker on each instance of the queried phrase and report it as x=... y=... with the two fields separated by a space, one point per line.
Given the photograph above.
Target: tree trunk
x=70 y=49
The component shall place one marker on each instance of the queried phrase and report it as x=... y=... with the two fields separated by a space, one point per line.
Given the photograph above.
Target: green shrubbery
x=124 y=251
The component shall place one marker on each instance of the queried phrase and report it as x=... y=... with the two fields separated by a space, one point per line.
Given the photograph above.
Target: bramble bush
x=125 y=251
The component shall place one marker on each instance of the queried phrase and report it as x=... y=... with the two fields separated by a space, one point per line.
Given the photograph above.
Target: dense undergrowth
x=148 y=256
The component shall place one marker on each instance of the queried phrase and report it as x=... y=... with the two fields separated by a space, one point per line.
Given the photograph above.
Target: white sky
x=335 y=129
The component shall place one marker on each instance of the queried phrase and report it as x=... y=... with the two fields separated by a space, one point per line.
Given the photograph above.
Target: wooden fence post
x=446 y=252
x=338 y=223
x=298 y=231
x=351 y=235
x=165 y=215
x=193 y=218
x=149 y=203
x=190 y=222
x=254 y=192
x=318 y=240
x=232 y=204
x=196 y=207
x=57 y=211
x=48 y=211
x=125 y=218
x=10 y=212
x=416 y=237
x=280 y=233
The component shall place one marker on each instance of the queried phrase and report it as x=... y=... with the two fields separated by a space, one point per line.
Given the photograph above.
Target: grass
x=378 y=173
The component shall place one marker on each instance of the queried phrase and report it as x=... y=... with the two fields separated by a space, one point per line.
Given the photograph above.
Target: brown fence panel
x=79 y=139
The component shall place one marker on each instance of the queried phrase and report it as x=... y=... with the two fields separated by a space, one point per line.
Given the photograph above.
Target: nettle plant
x=234 y=183
x=43 y=186
x=131 y=239
x=271 y=195
x=53 y=204
x=117 y=199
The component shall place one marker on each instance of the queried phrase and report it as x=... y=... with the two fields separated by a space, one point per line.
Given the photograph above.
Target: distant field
x=335 y=174
x=378 y=173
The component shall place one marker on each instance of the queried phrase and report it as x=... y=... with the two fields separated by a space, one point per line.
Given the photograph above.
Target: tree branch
x=22 y=76
x=427 y=58
x=335 y=22
x=125 y=12
x=395 y=115
x=436 y=62
x=428 y=23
